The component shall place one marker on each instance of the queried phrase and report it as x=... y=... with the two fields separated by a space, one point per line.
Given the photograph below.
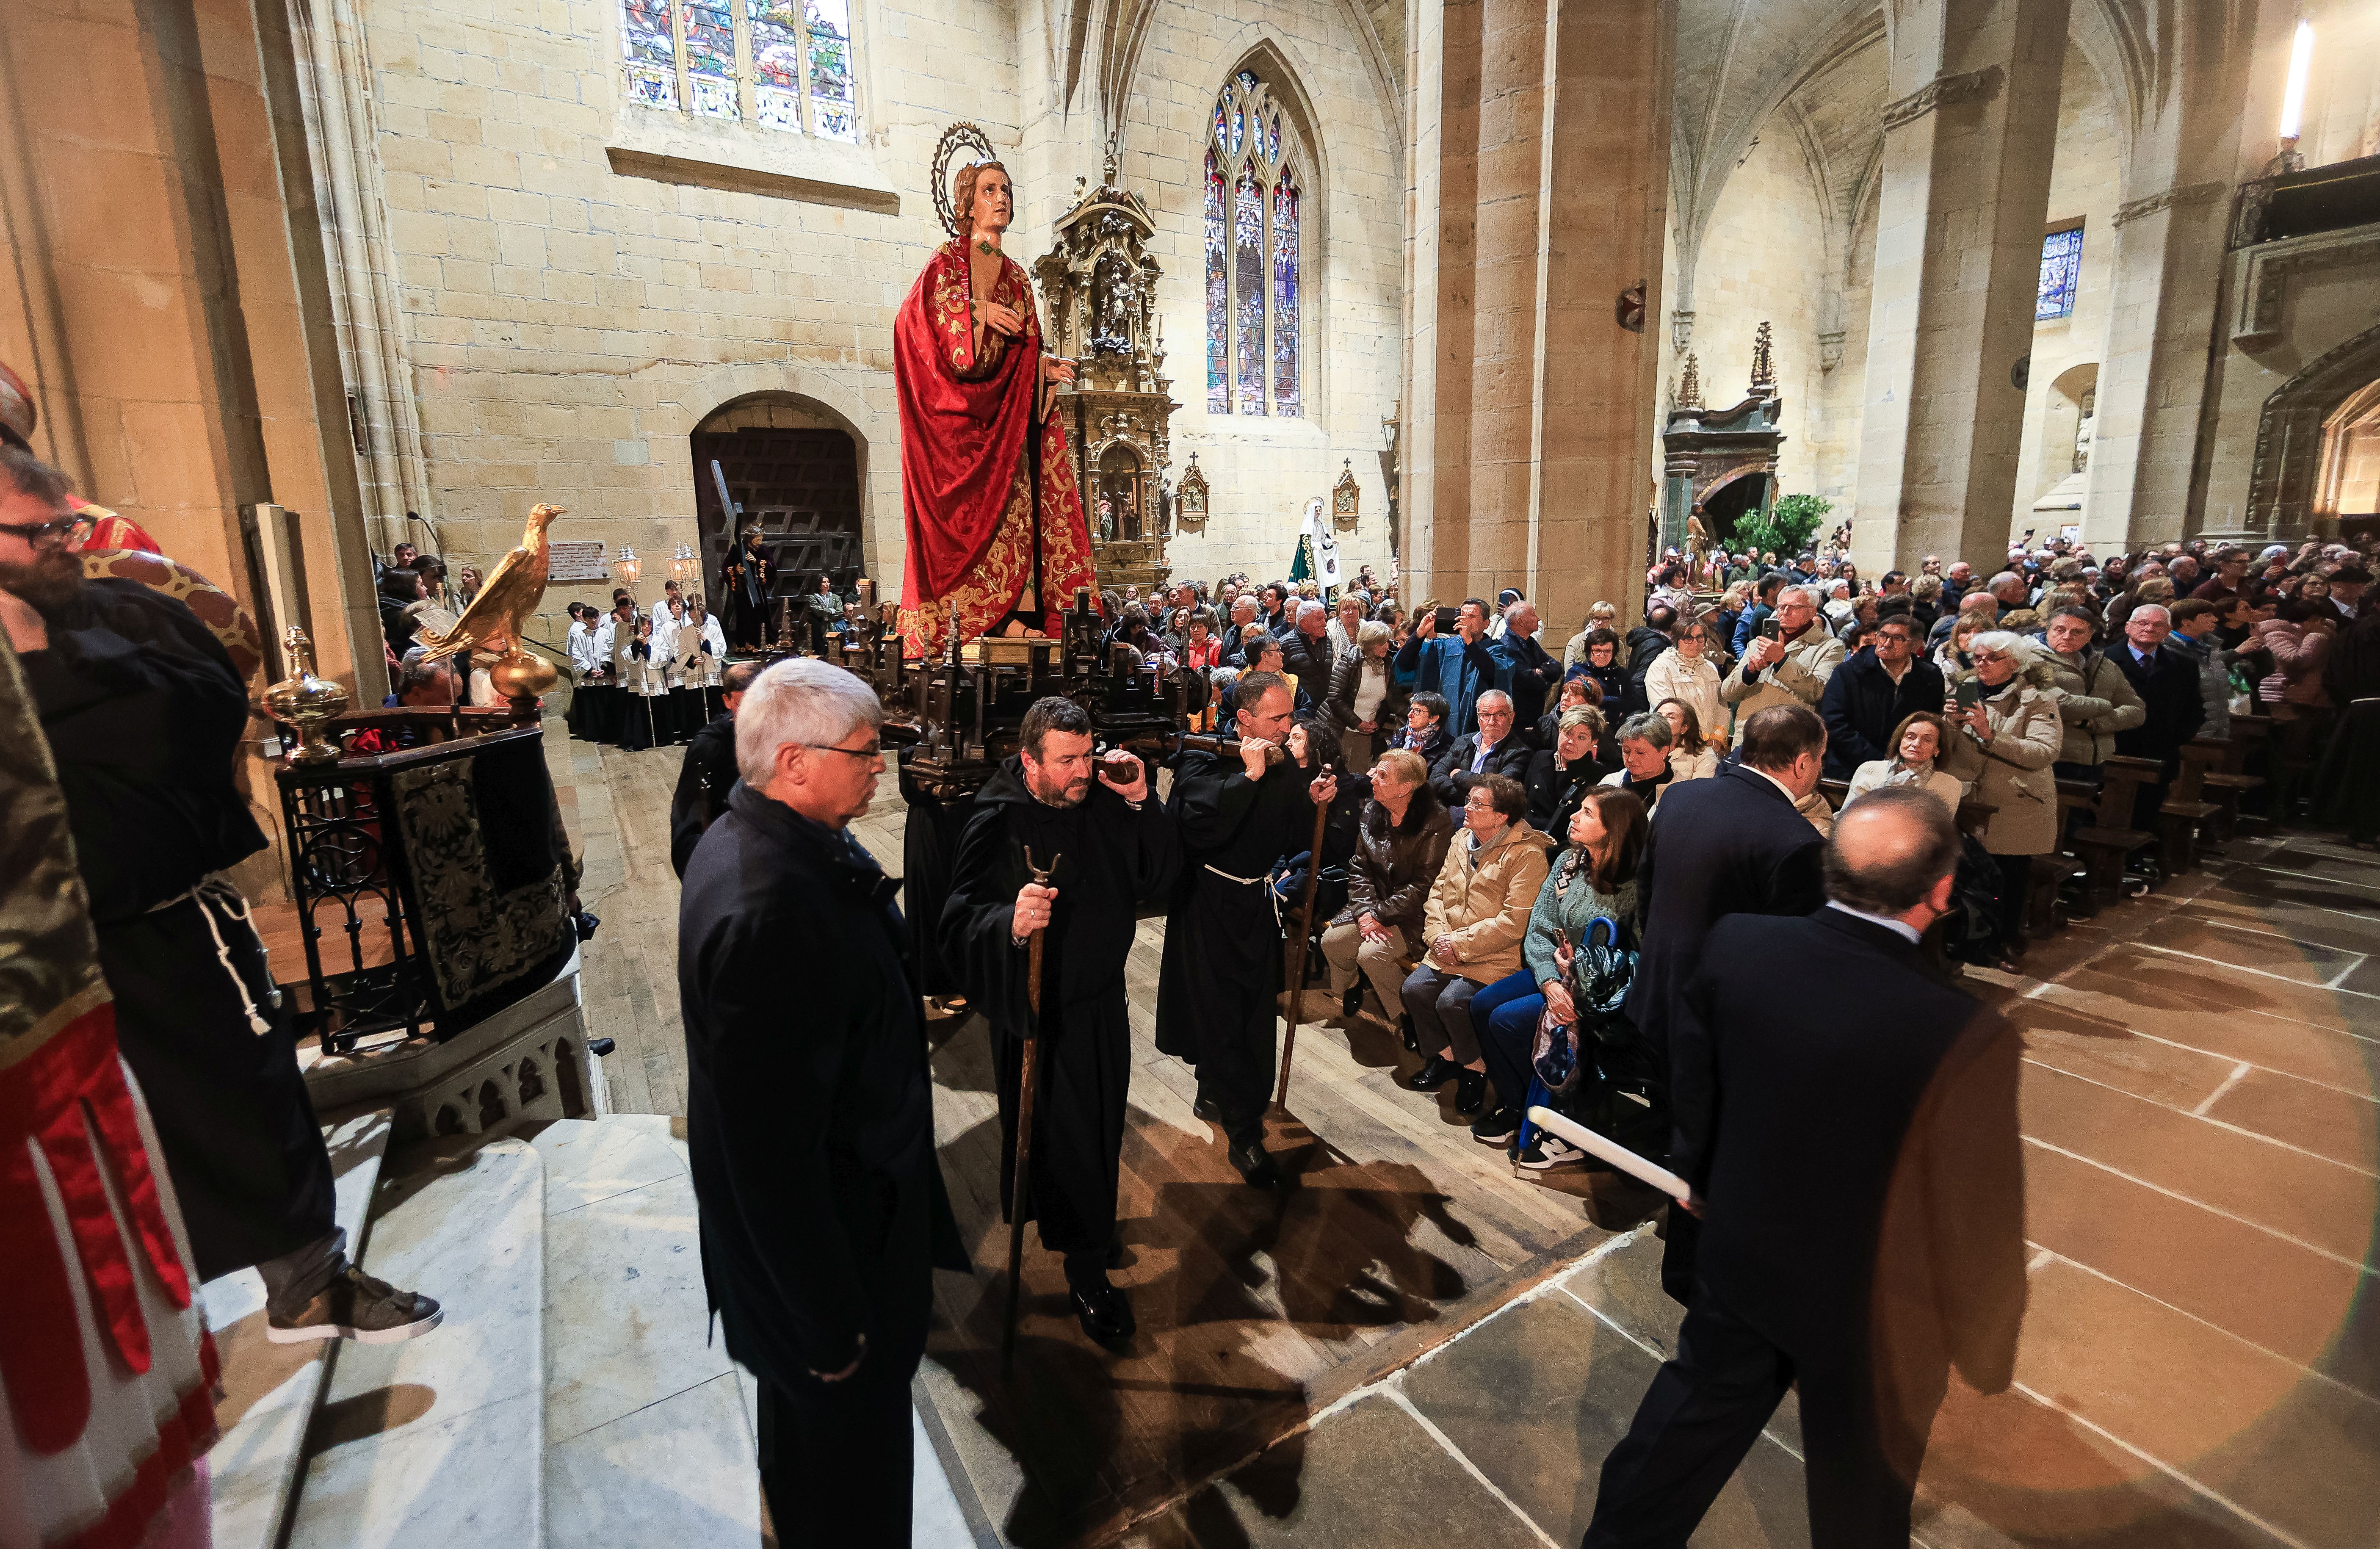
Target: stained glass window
x=710 y=29
x=1284 y=294
x=1252 y=207
x=648 y=51
x=832 y=114
x=776 y=64
x=682 y=55
x=1219 y=302
x=1248 y=280
x=2061 y=264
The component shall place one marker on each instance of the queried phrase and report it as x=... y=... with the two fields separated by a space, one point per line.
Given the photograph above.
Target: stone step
x=648 y=1439
x=271 y=1391
x=440 y=1440
x=650 y=1428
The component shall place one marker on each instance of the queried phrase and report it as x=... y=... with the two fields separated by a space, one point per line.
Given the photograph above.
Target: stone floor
x=1419 y=1342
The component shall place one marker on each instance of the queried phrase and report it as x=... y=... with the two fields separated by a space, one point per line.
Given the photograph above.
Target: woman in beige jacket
x=2005 y=744
x=1472 y=929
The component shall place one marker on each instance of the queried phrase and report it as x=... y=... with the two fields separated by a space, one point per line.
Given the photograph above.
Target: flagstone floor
x=1418 y=1345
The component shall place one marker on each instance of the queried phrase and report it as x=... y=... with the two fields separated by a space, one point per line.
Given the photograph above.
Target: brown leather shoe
x=355 y=1306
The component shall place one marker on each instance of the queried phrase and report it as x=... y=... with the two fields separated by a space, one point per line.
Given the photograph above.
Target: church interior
x=1507 y=296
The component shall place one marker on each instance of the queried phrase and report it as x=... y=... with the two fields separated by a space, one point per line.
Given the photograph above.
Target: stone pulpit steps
x=572 y=1396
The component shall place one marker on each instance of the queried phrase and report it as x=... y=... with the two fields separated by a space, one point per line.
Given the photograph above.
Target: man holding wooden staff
x=1109 y=848
x=1218 y=994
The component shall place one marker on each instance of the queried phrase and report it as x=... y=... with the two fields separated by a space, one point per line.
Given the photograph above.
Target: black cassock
x=930 y=847
x=745 y=582
x=1218 y=996
x=1112 y=859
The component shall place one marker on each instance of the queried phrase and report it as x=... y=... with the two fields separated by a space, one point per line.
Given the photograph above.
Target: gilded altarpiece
x=1099 y=287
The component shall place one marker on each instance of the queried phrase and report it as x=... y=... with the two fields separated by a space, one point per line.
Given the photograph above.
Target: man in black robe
x=1113 y=849
x=810 y=1111
x=1219 y=991
x=743 y=586
x=709 y=771
x=144 y=713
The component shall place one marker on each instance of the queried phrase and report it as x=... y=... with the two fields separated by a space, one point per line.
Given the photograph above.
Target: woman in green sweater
x=1595 y=877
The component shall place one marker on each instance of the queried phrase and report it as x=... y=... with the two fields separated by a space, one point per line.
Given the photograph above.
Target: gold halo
x=959 y=135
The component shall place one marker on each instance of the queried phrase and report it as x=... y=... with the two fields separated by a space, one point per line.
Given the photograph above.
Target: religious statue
x=994 y=518
x=1698 y=543
x=743 y=586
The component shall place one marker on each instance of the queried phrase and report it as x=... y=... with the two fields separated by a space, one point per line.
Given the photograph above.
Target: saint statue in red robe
x=994 y=519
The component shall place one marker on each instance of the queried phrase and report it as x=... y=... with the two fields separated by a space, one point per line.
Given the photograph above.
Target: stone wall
x=1764 y=259
x=583 y=280
x=2083 y=185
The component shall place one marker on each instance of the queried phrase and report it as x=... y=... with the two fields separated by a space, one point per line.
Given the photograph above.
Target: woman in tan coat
x=2006 y=742
x=1472 y=928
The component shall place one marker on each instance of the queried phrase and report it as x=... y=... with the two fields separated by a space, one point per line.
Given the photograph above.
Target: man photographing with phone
x=1109 y=848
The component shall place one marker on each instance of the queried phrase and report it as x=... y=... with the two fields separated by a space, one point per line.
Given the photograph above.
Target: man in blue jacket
x=1457 y=667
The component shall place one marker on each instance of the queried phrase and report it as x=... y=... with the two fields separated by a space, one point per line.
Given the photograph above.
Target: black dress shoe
x=1470 y=1092
x=1105 y=1312
x=1352 y=1002
x=1257 y=1166
x=1406 y=1032
x=1434 y=1073
x=1205 y=1108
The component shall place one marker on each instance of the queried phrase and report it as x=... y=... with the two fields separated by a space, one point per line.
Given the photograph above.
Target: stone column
x=1969 y=134
x=1552 y=165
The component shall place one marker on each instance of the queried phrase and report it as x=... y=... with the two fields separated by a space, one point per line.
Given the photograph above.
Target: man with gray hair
x=2167 y=682
x=1306 y=652
x=1790 y=666
x=1857 y=1255
x=809 y=1115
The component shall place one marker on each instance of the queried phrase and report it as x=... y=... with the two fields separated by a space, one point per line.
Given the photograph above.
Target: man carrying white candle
x=1855 y=1163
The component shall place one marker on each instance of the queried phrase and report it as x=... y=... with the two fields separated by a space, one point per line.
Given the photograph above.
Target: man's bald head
x=1891 y=850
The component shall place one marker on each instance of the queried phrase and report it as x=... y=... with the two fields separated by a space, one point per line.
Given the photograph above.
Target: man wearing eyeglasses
x=143 y=712
x=809 y=1115
x=1790 y=666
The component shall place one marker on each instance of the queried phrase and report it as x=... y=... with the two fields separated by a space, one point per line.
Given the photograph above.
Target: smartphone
x=1971 y=694
x=1446 y=619
x=1768 y=630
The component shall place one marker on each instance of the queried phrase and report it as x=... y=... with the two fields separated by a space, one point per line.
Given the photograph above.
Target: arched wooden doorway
x=792 y=468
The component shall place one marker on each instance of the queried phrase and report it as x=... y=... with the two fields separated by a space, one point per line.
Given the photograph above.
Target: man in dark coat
x=1112 y=850
x=1645 y=643
x=2167 y=682
x=1729 y=845
x=144 y=713
x=809 y=1112
x=1523 y=668
x=709 y=771
x=1219 y=991
x=1874 y=692
x=1856 y=1163
x=745 y=582
x=1497 y=748
x=1305 y=651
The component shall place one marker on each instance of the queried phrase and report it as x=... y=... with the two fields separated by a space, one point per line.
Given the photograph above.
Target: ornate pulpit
x=1722 y=461
x=1099 y=288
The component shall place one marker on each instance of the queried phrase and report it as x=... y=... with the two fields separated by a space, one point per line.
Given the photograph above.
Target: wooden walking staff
x=1294 y=967
x=1020 y=1184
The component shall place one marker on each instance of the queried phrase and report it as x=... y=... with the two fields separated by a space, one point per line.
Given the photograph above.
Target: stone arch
x=2290 y=431
x=768 y=438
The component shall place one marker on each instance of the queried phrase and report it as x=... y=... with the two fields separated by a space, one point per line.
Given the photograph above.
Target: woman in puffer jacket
x=2299 y=643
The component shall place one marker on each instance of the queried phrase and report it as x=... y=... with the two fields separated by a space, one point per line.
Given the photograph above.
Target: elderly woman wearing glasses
x=2008 y=735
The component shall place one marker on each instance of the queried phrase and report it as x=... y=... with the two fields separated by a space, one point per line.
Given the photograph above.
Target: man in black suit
x=1874 y=692
x=1497 y=748
x=1857 y=1172
x=1729 y=845
x=809 y=1115
x=2168 y=683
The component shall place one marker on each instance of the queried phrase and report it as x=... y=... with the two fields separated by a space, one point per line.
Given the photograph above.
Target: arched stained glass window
x=2061 y=265
x=1254 y=202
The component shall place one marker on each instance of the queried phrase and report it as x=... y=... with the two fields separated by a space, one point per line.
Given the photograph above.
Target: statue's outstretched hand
x=1057 y=369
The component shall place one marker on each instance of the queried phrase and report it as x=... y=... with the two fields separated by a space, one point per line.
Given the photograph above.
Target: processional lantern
x=685 y=568
x=627 y=567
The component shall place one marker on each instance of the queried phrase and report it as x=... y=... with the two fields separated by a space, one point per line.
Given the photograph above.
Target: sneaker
x=1498 y=1128
x=1551 y=1151
x=355 y=1306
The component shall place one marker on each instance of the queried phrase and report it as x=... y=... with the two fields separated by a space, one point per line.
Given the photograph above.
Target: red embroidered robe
x=994 y=520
